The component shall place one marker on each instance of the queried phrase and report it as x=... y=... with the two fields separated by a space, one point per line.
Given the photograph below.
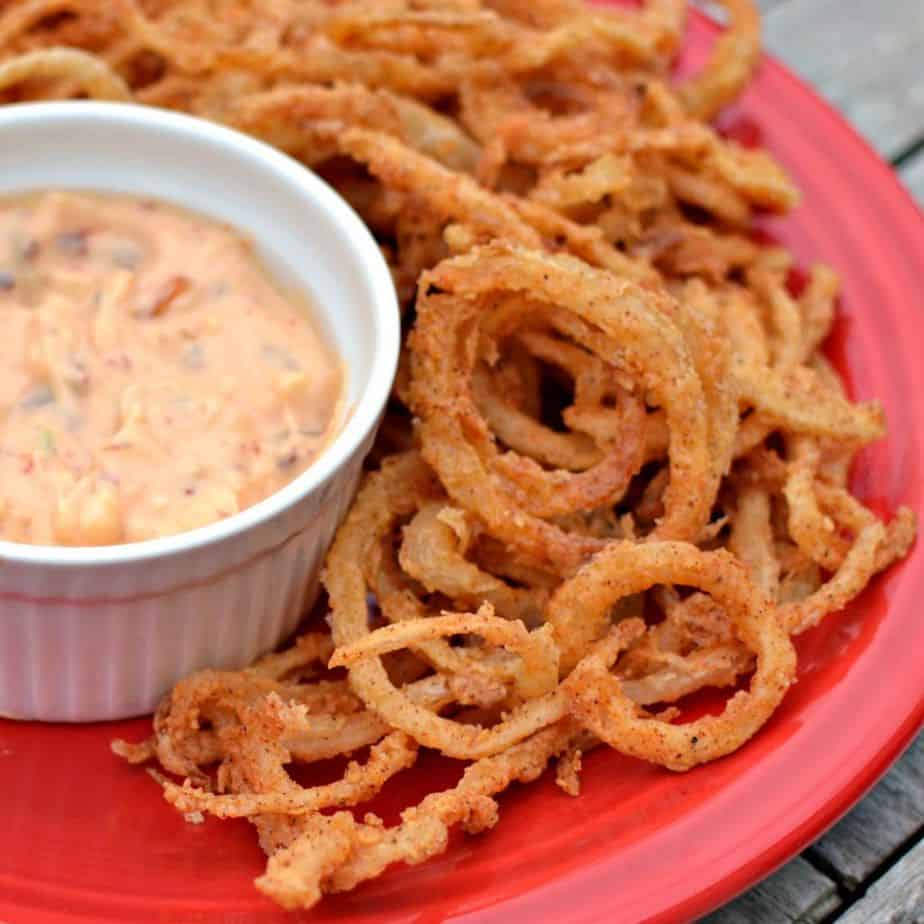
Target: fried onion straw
x=615 y=469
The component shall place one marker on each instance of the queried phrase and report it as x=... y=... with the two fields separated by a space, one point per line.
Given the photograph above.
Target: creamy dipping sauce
x=152 y=377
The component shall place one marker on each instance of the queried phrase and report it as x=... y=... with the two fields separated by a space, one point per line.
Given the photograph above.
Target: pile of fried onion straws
x=615 y=468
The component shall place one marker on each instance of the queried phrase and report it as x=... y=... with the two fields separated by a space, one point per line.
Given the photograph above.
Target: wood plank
x=913 y=175
x=864 y=57
x=795 y=893
x=897 y=898
x=891 y=815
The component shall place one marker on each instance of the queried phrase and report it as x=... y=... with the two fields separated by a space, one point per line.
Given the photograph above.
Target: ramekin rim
x=365 y=412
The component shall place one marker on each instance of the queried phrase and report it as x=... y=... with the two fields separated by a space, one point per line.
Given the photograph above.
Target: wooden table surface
x=867 y=58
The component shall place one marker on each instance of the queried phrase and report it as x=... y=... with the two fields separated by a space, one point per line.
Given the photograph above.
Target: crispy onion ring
x=596 y=696
x=524 y=434
x=875 y=548
x=443 y=568
x=336 y=853
x=288 y=117
x=360 y=782
x=733 y=61
x=538 y=673
x=374 y=511
x=433 y=551
x=613 y=319
x=86 y=70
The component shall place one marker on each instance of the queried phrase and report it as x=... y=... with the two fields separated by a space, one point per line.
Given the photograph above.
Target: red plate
x=86 y=838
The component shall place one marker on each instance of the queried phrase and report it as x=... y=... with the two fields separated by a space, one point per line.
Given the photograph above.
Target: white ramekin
x=102 y=633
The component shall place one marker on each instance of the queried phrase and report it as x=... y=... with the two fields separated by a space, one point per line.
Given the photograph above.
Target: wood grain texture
x=795 y=893
x=913 y=175
x=886 y=819
x=897 y=898
x=865 y=57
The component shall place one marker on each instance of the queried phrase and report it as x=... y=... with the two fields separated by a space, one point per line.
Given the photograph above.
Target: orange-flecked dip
x=153 y=378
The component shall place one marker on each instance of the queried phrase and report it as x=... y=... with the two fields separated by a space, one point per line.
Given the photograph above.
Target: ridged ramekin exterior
x=106 y=642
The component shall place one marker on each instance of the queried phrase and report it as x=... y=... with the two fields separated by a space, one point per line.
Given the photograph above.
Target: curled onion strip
x=597 y=698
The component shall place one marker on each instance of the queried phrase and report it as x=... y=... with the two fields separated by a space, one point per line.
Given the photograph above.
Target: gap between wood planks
x=893 y=894
x=913 y=175
x=896 y=898
x=858 y=846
